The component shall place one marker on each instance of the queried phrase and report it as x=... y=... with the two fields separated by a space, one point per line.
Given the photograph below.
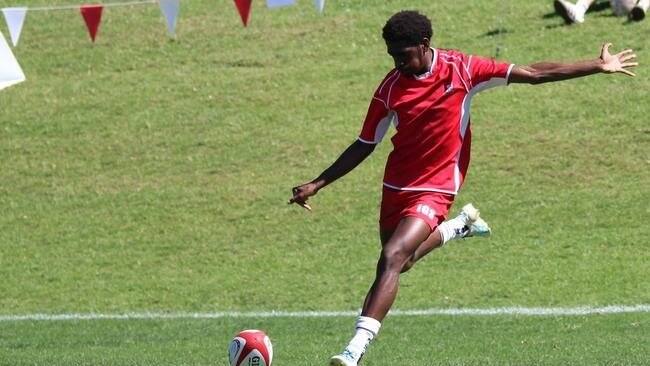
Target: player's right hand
x=300 y=194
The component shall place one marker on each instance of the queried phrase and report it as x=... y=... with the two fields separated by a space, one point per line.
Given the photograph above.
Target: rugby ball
x=250 y=347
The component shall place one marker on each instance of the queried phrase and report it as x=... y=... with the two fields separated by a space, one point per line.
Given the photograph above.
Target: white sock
x=583 y=5
x=366 y=329
x=453 y=229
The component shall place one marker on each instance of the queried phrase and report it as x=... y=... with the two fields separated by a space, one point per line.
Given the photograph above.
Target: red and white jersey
x=431 y=146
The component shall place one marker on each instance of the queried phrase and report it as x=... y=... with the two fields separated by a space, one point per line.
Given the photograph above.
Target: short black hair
x=408 y=27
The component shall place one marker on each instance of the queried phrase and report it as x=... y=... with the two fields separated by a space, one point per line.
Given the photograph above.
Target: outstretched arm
x=350 y=158
x=543 y=72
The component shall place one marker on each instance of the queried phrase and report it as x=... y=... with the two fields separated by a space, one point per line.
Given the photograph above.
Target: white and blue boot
x=476 y=226
x=346 y=358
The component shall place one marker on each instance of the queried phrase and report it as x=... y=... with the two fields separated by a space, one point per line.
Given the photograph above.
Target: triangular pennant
x=244 y=8
x=15 y=17
x=320 y=5
x=10 y=71
x=92 y=16
x=169 y=8
x=277 y=3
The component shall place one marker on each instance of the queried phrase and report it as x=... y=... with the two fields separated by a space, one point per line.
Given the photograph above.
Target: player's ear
x=425 y=43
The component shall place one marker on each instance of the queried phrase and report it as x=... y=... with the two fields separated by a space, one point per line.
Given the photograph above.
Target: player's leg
x=467 y=224
x=397 y=249
x=433 y=241
x=401 y=247
x=572 y=13
x=639 y=10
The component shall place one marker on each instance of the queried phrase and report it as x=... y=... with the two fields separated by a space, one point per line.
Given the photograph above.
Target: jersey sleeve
x=377 y=121
x=483 y=70
x=379 y=116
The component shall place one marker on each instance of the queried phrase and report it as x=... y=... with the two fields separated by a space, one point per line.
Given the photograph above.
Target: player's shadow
x=496 y=32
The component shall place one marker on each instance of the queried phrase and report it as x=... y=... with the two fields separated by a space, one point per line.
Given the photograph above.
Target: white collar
x=426 y=74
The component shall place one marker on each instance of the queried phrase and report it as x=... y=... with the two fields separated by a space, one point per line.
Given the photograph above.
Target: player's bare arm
x=543 y=72
x=350 y=158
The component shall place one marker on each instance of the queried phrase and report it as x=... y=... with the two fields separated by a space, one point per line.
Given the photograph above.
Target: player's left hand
x=619 y=62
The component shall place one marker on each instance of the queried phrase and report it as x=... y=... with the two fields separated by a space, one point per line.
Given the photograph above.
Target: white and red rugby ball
x=250 y=347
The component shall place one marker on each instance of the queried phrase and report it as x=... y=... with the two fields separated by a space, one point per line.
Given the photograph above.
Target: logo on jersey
x=426 y=211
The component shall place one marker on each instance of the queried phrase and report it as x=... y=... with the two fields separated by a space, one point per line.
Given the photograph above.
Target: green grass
x=144 y=174
x=440 y=340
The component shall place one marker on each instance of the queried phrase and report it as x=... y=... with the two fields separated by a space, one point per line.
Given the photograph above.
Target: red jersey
x=431 y=146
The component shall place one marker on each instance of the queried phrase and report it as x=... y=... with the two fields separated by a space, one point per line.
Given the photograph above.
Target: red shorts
x=431 y=207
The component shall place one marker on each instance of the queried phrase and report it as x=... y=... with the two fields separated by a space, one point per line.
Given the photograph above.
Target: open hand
x=619 y=62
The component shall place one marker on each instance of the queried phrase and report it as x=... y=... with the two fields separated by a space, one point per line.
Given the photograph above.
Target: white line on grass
x=536 y=311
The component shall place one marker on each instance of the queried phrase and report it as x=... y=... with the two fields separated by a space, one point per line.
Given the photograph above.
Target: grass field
x=148 y=175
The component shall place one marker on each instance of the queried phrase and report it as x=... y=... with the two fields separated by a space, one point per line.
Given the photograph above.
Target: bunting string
x=92 y=14
x=10 y=71
x=106 y=5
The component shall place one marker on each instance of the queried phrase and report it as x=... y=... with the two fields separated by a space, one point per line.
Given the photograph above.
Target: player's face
x=410 y=60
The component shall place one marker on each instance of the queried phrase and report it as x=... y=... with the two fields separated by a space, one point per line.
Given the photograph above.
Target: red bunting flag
x=244 y=8
x=92 y=16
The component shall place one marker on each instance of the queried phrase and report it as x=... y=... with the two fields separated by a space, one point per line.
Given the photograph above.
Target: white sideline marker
x=524 y=311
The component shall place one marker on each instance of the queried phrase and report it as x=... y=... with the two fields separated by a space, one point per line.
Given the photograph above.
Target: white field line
x=524 y=311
